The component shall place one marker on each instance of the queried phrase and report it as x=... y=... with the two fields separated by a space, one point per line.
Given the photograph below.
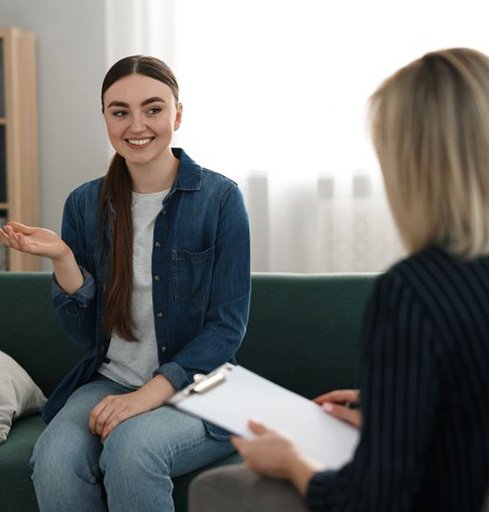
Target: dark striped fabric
x=424 y=392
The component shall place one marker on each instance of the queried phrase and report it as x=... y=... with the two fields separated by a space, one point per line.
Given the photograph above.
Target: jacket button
x=157 y=245
x=157 y=279
x=163 y=349
x=159 y=314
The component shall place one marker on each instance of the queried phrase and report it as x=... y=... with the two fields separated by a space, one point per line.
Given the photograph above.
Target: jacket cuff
x=317 y=495
x=175 y=374
x=82 y=296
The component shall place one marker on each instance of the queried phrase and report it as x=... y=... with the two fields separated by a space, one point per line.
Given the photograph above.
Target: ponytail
x=116 y=201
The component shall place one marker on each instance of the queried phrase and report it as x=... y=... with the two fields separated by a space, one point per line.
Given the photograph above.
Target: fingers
x=339 y=396
x=110 y=426
x=4 y=238
x=111 y=411
x=105 y=422
x=238 y=442
x=22 y=228
x=94 y=422
x=18 y=227
x=351 y=416
x=13 y=238
x=338 y=404
x=102 y=416
x=257 y=428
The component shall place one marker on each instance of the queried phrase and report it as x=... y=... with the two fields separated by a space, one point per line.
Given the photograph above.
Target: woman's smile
x=140 y=143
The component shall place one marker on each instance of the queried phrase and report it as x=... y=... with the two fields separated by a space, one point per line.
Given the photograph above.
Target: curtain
x=275 y=96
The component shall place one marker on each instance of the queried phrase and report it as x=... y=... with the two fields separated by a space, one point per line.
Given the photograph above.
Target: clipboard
x=232 y=395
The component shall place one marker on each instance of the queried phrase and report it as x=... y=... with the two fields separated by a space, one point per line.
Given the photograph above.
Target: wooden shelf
x=18 y=144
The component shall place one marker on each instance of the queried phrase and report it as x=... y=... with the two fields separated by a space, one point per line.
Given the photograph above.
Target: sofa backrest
x=30 y=331
x=303 y=331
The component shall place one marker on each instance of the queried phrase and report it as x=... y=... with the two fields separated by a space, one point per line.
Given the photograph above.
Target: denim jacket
x=201 y=279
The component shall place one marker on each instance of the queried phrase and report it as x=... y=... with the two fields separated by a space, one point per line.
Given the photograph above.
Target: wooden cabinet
x=19 y=181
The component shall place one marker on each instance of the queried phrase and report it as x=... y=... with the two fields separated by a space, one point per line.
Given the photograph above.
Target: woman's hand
x=46 y=243
x=273 y=454
x=33 y=240
x=115 y=409
x=342 y=404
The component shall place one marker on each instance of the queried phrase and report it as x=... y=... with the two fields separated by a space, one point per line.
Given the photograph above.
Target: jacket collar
x=189 y=175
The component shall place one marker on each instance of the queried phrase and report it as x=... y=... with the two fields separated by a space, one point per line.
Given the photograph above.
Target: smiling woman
x=152 y=278
x=141 y=115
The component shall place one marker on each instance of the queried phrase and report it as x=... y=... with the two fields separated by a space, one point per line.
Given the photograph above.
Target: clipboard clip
x=203 y=383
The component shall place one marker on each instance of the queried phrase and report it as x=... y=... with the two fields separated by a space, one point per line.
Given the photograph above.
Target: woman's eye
x=119 y=113
x=154 y=111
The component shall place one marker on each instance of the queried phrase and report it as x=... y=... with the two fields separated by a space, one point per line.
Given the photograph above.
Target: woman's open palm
x=33 y=240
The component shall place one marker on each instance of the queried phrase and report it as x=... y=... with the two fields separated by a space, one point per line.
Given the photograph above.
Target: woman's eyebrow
x=153 y=99
x=118 y=104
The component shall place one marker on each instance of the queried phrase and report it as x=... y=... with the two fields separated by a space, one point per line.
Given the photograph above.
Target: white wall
x=71 y=58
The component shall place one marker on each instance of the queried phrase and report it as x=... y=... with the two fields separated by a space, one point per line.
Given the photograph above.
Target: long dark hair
x=115 y=206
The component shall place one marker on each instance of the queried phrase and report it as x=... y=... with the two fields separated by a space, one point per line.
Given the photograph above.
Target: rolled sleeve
x=81 y=297
x=175 y=374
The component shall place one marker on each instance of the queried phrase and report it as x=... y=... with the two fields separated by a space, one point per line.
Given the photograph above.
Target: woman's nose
x=137 y=123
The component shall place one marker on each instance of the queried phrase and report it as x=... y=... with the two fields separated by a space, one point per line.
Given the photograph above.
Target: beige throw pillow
x=19 y=394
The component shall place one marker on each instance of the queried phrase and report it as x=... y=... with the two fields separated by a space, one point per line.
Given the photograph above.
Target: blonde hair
x=430 y=128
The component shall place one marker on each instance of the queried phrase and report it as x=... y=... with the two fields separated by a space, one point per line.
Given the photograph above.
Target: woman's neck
x=155 y=176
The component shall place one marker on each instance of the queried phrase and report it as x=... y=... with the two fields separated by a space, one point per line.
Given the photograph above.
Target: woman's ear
x=178 y=116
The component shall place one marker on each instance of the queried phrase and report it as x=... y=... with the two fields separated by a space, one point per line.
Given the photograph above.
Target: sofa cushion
x=17 y=491
x=19 y=394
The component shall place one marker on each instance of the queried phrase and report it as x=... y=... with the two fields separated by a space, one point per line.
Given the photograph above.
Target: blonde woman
x=425 y=369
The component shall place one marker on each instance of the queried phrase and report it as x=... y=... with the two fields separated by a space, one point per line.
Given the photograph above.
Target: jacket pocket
x=192 y=275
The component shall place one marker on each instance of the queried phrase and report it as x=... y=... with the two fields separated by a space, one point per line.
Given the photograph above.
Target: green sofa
x=303 y=334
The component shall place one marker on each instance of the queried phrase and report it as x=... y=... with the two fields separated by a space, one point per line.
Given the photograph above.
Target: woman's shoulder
x=221 y=187
x=435 y=262
x=194 y=176
x=87 y=189
x=218 y=178
x=84 y=199
x=434 y=273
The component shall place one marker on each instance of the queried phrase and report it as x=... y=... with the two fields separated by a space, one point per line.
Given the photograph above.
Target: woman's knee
x=152 y=439
x=130 y=451
x=59 y=452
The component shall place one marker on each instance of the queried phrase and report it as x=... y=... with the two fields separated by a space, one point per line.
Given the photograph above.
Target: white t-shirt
x=133 y=362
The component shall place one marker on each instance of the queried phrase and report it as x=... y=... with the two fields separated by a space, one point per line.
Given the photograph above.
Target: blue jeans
x=74 y=471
